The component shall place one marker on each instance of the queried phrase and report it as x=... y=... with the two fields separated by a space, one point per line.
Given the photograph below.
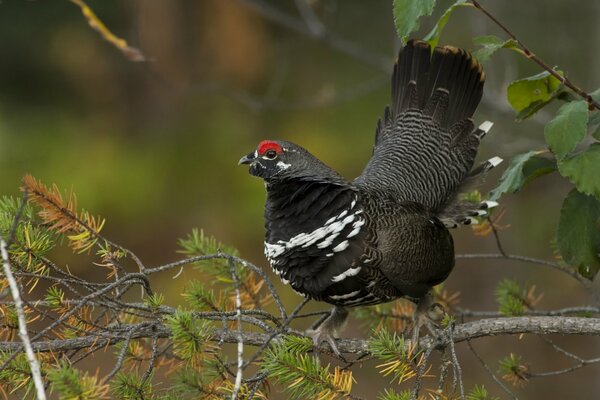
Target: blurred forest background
x=153 y=146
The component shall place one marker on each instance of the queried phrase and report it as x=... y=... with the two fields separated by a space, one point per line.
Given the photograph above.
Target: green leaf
x=433 y=37
x=567 y=128
x=594 y=119
x=595 y=95
x=489 y=45
x=528 y=95
x=583 y=170
x=521 y=170
x=579 y=232
x=407 y=14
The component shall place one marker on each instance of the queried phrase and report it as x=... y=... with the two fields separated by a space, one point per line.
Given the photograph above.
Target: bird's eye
x=271 y=154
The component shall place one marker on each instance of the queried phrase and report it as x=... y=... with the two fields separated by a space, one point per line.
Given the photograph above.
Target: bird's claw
x=428 y=314
x=319 y=336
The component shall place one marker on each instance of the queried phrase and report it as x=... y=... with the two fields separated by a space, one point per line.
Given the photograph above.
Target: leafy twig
x=532 y=56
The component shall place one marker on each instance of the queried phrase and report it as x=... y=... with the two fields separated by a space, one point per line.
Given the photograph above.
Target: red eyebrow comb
x=267 y=145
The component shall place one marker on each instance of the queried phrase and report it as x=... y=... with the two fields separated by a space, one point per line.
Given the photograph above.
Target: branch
x=513 y=257
x=463 y=332
x=337 y=42
x=23 y=333
x=563 y=79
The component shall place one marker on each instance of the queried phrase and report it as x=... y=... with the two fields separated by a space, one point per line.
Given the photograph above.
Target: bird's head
x=272 y=159
x=277 y=160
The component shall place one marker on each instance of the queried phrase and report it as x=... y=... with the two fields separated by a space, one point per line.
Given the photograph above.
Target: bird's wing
x=426 y=143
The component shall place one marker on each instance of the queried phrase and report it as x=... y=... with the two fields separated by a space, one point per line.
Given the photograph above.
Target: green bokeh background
x=153 y=147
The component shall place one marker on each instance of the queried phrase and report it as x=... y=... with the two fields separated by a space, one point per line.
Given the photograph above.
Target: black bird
x=384 y=235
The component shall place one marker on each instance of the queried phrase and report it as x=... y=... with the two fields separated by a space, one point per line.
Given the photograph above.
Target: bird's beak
x=247 y=159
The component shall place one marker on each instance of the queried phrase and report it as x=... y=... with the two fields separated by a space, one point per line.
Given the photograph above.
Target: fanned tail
x=447 y=85
x=426 y=142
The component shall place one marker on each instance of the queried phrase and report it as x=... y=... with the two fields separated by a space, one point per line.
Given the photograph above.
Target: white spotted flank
x=345 y=274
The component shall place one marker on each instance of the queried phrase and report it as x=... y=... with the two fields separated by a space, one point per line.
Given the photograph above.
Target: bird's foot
x=319 y=336
x=428 y=314
x=328 y=330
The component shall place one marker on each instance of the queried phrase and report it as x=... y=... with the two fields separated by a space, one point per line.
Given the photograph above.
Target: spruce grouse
x=385 y=234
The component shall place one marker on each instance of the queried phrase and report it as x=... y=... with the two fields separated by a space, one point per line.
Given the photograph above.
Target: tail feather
x=426 y=142
x=466 y=213
x=447 y=84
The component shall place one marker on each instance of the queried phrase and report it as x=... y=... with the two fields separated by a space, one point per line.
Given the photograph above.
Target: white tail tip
x=486 y=126
x=470 y=221
x=489 y=204
x=495 y=161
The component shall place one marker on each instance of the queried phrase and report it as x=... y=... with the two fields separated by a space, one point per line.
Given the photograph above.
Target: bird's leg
x=428 y=314
x=329 y=329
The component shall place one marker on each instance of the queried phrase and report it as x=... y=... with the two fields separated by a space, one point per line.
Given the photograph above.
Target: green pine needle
x=479 y=393
x=70 y=383
x=132 y=387
x=391 y=394
x=55 y=297
x=198 y=244
x=17 y=374
x=201 y=298
x=303 y=374
x=399 y=358
x=191 y=336
x=155 y=300
x=509 y=296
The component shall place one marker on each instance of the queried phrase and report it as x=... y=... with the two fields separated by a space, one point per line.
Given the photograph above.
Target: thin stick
x=16 y=295
x=240 y=346
x=513 y=257
x=490 y=372
x=455 y=365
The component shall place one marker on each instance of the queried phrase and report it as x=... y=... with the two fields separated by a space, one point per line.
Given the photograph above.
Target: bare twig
x=23 y=332
x=310 y=18
x=121 y=357
x=242 y=262
x=455 y=364
x=581 y=362
x=240 y=335
x=132 y=53
x=490 y=372
x=331 y=39
x=513 y=257
x=420 y=372
x=496 y=236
